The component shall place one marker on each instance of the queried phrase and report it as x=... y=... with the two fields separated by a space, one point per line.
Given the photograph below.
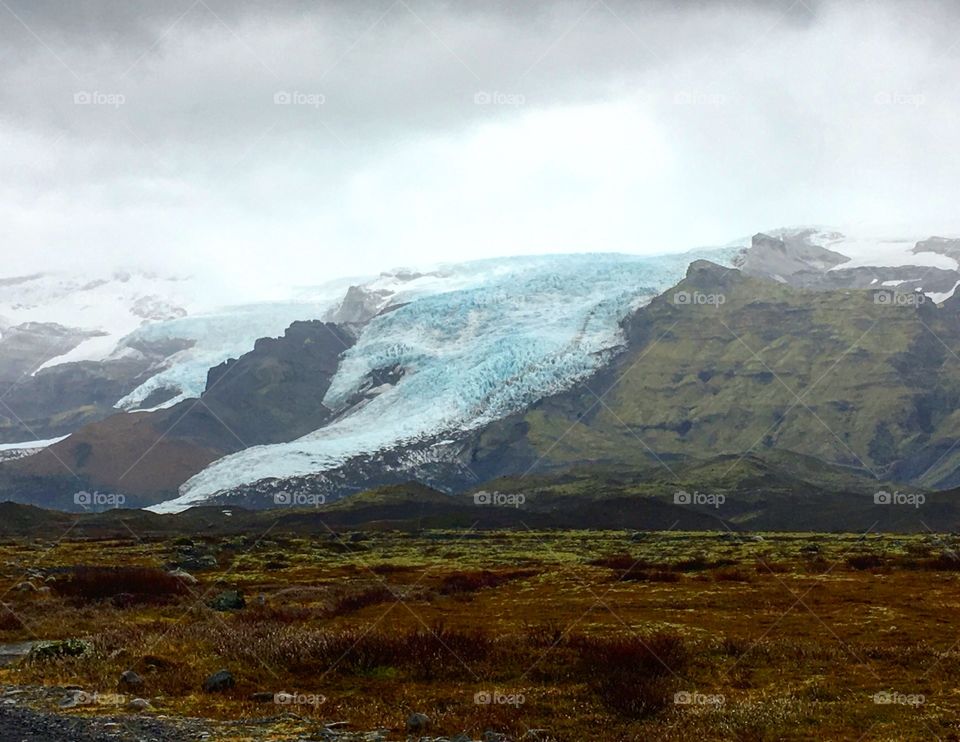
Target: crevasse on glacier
x=513 y=331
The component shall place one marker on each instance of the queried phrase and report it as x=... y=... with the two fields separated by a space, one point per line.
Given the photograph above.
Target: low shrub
x=864 y=561
x=470 y=582
x=633 y=676
x=121 y=585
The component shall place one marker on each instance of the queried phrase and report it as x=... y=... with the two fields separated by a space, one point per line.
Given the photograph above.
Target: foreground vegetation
x=529 y=635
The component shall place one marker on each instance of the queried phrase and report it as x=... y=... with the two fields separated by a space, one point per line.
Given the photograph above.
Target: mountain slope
x=483 y=370
x=271 y=394
x=831 y=374
x=723 y=364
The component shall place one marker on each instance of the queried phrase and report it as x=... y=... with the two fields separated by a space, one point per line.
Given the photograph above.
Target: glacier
x=476 y=342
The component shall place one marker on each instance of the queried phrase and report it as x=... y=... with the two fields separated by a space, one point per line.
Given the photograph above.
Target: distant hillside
x=271 y=394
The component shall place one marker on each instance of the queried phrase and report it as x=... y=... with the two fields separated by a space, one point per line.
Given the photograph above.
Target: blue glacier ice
x=485 y=341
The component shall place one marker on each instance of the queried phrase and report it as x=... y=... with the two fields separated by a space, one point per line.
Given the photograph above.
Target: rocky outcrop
x=795 y=259
x=780 y=258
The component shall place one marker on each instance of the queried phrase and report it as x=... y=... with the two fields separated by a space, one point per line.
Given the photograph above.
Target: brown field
x=568 y=635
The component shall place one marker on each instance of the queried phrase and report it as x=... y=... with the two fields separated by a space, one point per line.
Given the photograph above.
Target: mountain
x=515 y=331
x=271 y=394
x=875 y=381
x=793 y=346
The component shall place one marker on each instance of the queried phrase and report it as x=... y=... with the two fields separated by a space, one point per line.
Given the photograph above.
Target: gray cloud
x=339 y=137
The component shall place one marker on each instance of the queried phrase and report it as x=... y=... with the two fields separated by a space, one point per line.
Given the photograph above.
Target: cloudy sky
x=294 y=141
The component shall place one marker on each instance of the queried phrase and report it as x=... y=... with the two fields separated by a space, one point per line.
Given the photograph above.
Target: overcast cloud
x=295 y=142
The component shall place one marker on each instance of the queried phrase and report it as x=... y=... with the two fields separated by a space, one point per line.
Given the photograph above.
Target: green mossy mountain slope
x=726 y=364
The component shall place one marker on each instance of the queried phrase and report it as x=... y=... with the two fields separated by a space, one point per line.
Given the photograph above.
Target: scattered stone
x=218 y=682
x=184 y=576
x=262 y=697
x=193 y=561
x=75 y=697
x=139 y=704
x=129 y=680
x=228 y=600
x=417 y=723
x=26 y=587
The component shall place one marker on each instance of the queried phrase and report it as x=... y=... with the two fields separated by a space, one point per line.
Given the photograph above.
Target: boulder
x=417 y=723
x=218 y=682
x=228 y=600
x=129 y=680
